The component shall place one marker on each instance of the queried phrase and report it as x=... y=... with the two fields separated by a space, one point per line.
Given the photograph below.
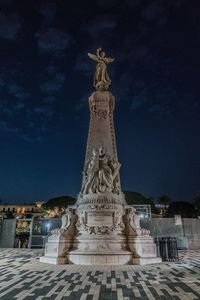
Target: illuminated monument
x=101 y=228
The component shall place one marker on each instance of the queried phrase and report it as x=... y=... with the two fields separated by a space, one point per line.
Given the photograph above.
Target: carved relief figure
x=102 y=174
x=81 y=224
x=116 y=182
x=134 y=222
x=133 y=219
x=91 y=181
x=118 y=220
x=101 y=78
x=66 y=220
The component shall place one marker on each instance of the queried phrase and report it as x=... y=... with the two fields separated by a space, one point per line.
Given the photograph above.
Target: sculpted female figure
x=66 y=222
x=134 y=222
x=91 y=179
x=101 y=174
x=66 y=219
x=133 y=219
x=105 y=172
x=101 y=79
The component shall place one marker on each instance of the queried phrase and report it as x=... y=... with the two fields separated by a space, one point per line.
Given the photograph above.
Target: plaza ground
x=22 y=276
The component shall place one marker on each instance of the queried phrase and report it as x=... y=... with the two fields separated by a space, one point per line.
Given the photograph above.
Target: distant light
x=141 y=216
x=48 y=225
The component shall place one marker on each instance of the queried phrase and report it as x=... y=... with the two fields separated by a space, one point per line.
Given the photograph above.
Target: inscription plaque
x=100 y=218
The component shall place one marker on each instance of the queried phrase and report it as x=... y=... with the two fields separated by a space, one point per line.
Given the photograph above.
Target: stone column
x=101 y=204
x=101 y=129
x=101 y=147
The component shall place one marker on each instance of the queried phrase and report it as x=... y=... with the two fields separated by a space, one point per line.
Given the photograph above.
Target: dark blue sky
x=46 y=78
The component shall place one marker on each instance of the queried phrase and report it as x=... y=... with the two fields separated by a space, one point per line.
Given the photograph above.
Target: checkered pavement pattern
x=22 y=276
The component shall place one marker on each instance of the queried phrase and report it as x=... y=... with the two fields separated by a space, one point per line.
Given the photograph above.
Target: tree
x=185 y=209
x=55 y=207
x=9 y=215
x=196 y=202
x=139 y=199
x=164 y=200
x=134 y=198
x=60 y=202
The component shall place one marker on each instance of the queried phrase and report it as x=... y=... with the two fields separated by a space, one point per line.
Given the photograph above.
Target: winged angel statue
x=101 y=79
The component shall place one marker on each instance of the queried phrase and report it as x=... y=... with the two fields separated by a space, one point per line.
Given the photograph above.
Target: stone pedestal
x=143 y=249
x=56 y=249
x=61 y=240
x=100 y=238
x=91 y=250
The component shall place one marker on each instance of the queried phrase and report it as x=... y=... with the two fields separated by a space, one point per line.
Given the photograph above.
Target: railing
x=37 y=241
x=167 y=248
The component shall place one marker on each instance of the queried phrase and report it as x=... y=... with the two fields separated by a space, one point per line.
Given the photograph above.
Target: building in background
x=21 y=210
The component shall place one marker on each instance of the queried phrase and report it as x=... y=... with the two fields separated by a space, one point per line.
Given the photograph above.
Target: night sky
x=46 y=78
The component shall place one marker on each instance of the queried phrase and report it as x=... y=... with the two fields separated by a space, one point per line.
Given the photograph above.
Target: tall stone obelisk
x=101 y=228
x=101 y=204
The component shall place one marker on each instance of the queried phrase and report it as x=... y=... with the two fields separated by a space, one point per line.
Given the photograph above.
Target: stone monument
x=101 y=228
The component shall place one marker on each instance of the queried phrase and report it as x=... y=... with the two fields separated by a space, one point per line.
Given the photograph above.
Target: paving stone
x=22 y=276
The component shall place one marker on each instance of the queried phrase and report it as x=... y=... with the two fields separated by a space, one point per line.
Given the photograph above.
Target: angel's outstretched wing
x=109 y=59
x=93 y=56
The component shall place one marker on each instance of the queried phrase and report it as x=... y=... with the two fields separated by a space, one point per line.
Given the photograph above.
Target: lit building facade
x=21 y=210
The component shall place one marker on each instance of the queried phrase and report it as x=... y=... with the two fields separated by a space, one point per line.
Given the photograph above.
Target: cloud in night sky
x=82 y=103
x=16 y=109
x=10 y=24
x=18 y=91
x=83 y=64
x=138 y=101
x=19 y=105
x=49 y=99
x=44 y=110
x=53 y=41
x=101 y=24
x=2 y=83
x=53 y=85
x=7 y=111
x=5 y=127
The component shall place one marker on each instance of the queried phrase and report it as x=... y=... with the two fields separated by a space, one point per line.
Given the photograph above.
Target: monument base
x=56 y=249
x=146 y=260
x=99 y=250
x=113 y=251
x=53 y=260
x=99 y=259
x=144 y=250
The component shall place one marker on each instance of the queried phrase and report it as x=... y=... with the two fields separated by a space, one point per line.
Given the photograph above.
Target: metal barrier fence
x=167 y=248
x=37 y=241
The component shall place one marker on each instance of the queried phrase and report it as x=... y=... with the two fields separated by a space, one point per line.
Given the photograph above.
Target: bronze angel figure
x=101 y=79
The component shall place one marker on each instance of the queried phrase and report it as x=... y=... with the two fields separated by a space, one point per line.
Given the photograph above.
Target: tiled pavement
x=22 y=276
